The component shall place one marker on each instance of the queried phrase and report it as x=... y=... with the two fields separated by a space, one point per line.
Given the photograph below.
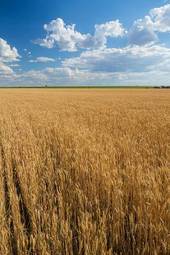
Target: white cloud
x=143 y=61
x=5 y=70
x=141 y=65
x=62 y=35
x=14 y=65
x=129 y=59
x=63 y=76
x=66 y=38
x=32 y=76
x=142 y=32
x=161 y=18
x=111 y=28
x=7 y=53
x=145 y=30
x=42 y=60
x=53 y=76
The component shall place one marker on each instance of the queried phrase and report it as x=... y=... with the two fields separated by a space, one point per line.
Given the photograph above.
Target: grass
x=84 y=172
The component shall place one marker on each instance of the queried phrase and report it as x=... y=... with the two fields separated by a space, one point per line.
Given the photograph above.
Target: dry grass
x=84 y=172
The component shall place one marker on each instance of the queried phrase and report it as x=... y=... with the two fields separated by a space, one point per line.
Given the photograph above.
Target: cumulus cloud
x=142 y=32
x=134 y=64
x=5 y=70
x=148 y=64
x=66 y=38
x=8 y=55
x=32 y=76
x=52 y=76
x=63 y=76
x=161 y=18
x=145 y=30
x=129 y=59
x=144 y=60
x=111 y=29
x=42 y=60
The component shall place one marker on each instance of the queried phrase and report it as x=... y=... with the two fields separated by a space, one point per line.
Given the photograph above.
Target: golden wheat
x=84 y=172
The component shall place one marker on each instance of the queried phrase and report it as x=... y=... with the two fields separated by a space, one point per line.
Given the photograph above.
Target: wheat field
x=84 y=171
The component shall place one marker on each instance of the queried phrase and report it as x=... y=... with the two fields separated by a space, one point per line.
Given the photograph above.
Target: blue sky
x=99 y=42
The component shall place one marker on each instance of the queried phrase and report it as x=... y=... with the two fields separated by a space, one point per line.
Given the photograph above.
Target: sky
x=73 y=42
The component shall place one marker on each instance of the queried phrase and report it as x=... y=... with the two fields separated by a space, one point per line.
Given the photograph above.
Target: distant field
x=84 y=172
